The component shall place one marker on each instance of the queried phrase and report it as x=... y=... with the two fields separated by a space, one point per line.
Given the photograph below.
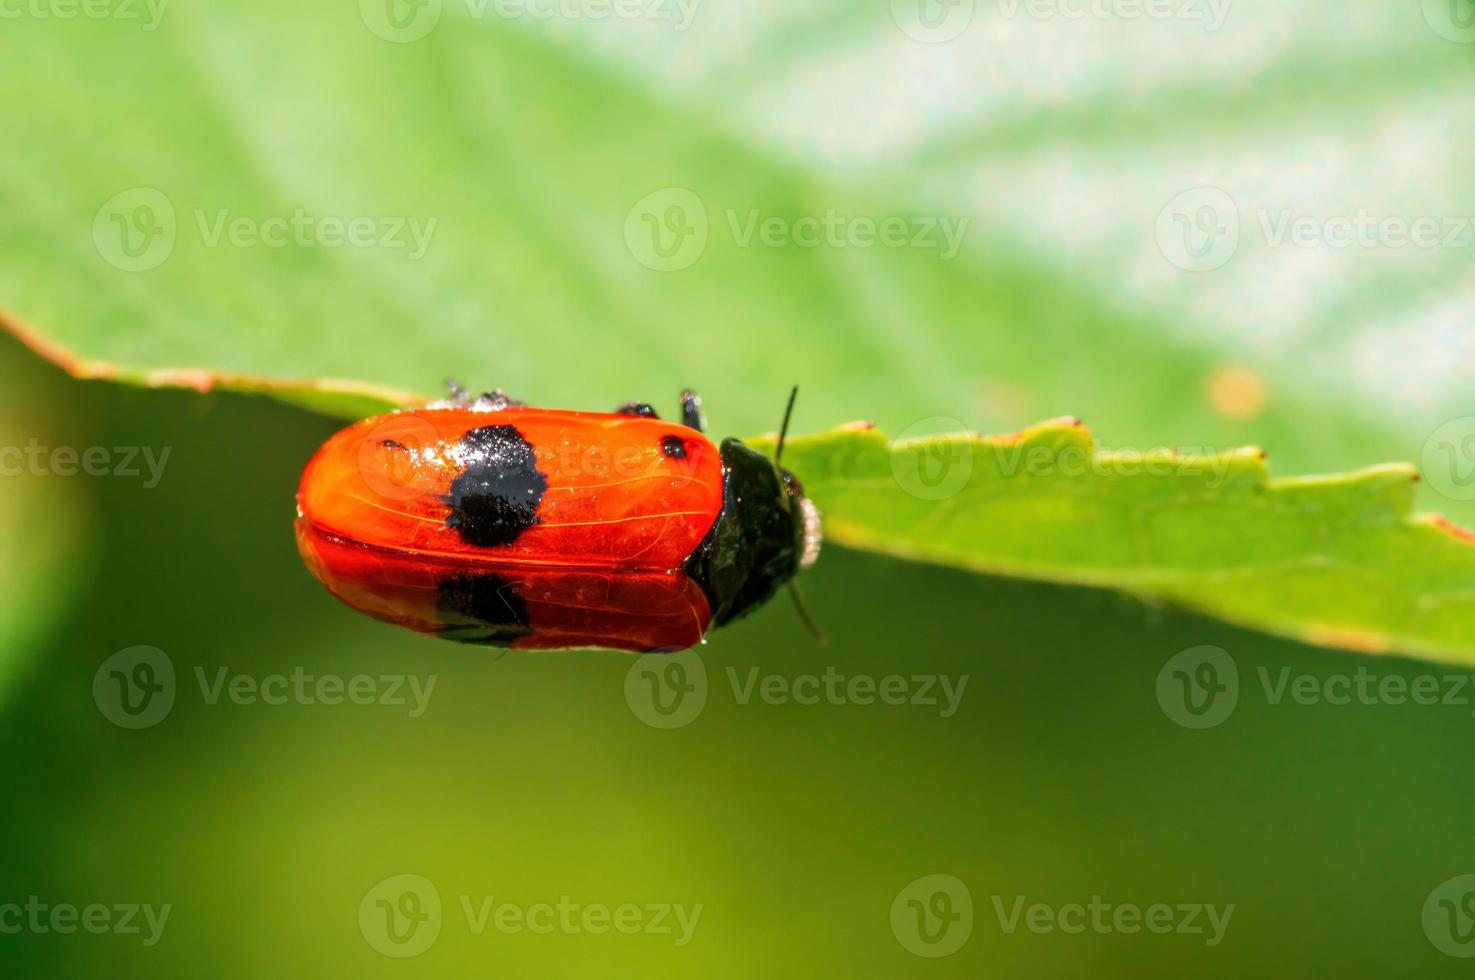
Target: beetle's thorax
x=764 y=534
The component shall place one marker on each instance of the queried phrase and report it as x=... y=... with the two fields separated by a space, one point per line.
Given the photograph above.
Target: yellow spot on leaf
x=1237 y=392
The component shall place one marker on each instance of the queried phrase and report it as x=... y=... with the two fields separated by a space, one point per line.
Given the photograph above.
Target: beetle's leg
x=637 y=408
x=691 y=411
x=495 y=401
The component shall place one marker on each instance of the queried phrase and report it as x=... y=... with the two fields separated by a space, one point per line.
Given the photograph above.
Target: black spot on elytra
x=496 y=497
x=482 y=609
x=674 y=447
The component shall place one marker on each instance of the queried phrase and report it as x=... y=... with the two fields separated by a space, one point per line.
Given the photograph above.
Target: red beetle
x=490 y=522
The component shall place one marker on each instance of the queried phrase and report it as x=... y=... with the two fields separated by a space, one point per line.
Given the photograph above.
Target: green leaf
x=1334 y=560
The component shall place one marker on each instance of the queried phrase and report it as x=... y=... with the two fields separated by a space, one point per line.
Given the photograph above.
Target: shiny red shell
x=528 y=528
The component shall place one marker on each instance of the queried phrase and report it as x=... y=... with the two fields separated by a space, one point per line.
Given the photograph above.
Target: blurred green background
x=533 y=143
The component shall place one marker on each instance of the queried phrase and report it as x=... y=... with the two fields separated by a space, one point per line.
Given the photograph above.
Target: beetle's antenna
x=783 y=430
x=804 y=617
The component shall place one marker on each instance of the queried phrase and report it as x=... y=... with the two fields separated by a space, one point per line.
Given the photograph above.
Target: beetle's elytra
x=490 y=522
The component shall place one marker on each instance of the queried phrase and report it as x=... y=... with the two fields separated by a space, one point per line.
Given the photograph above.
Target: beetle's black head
x=767 y=531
